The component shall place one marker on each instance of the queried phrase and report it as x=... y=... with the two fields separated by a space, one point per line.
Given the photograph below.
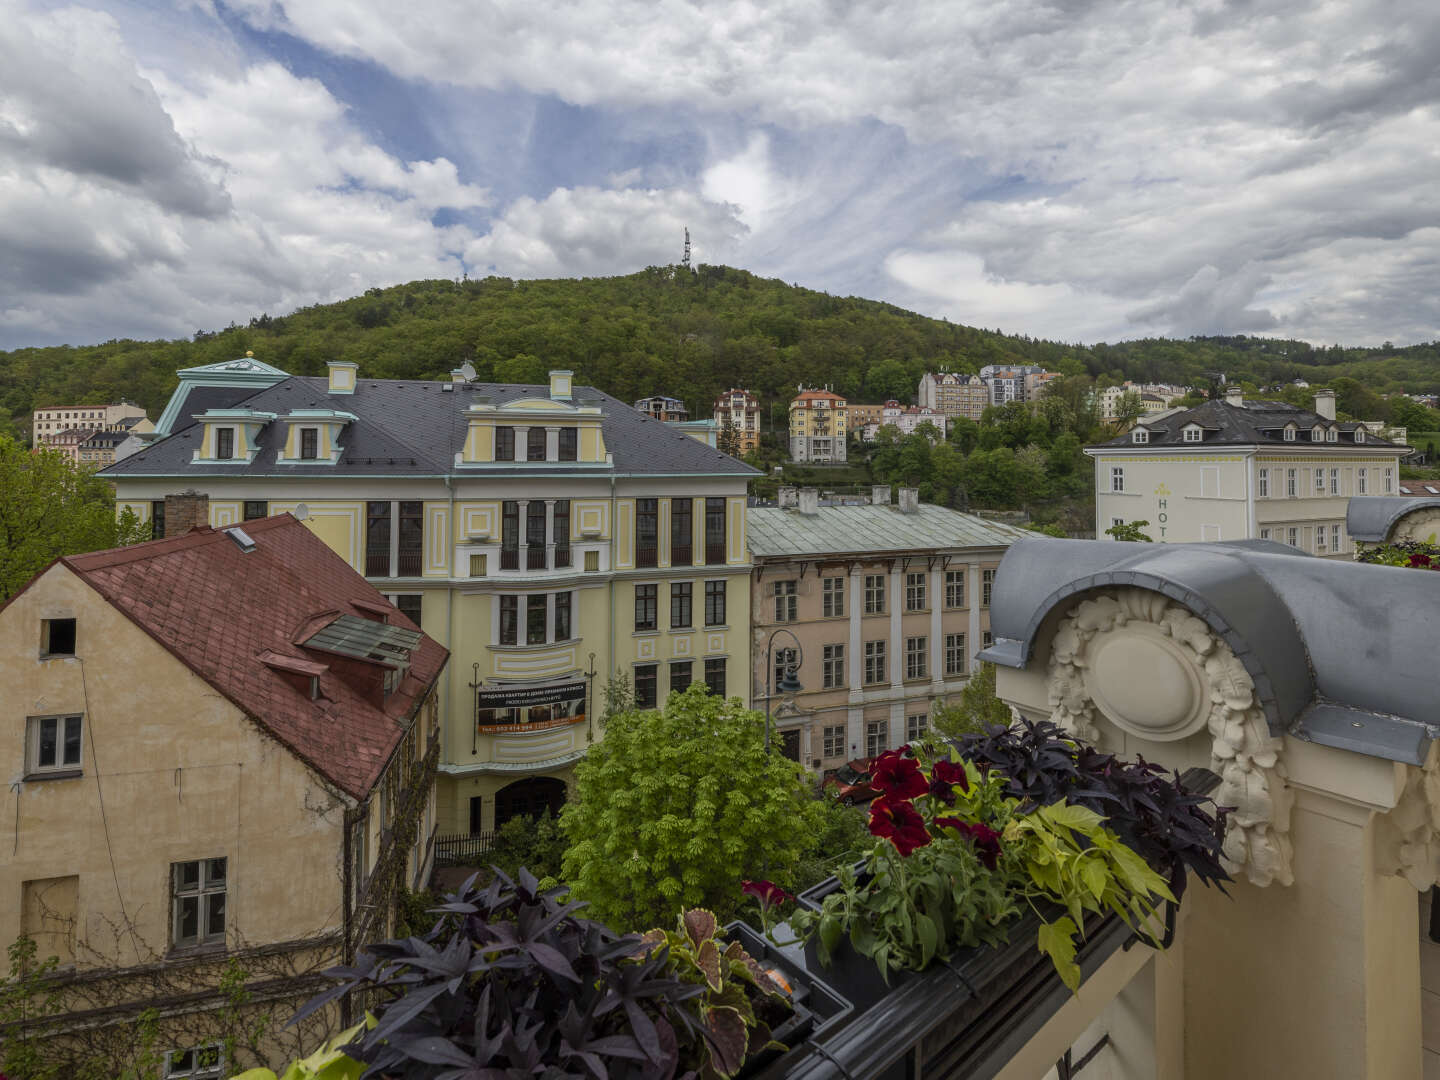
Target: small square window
x=57 y=637
x=196 y=1063
x=478 y=564
x=592 y=561
x=256 y=509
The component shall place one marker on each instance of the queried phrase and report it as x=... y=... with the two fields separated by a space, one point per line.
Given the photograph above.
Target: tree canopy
x=673 y=809
x=51 y=507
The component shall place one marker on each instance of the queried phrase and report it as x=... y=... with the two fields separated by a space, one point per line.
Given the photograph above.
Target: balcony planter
x=818 y=1010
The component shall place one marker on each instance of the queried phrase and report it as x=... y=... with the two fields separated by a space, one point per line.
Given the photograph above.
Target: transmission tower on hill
x=685 y=262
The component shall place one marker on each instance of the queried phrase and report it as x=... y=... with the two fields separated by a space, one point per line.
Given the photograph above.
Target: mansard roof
x=1332 y=658
x=409 y=427
x=1254 y=423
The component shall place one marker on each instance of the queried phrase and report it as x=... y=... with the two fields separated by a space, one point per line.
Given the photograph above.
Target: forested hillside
x=663 y=330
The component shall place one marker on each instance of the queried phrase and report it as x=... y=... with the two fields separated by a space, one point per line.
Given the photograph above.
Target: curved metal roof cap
x=1337 y=649
x=1212 y=580
x=1370 y=518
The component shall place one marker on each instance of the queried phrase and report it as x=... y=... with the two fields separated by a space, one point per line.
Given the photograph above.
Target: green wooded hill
x=663 y=330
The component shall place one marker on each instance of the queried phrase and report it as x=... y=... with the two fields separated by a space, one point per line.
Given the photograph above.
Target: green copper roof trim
x=245 y=371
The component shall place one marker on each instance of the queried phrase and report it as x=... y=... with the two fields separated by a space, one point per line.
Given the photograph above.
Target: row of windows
x=1316 y=481
x=253 y=509
x=682 y=599
x=647 y=679
x=682 y=532
x=877 y=735
x=534 y=446
x=1324 y=539
x=917 y=586
x=875 y=669
x=225 y=443
x=548 y=618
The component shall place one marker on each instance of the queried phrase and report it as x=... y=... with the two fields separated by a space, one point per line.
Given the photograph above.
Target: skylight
x=365 y=639
x=241 y=538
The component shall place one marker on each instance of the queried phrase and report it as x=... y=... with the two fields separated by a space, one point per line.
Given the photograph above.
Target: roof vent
x=447 y=388
x=1234 y=395
x=788 y=497
x=241 y=538
x=909 y=500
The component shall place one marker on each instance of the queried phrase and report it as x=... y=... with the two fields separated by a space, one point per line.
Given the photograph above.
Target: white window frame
x=1140 y=435
x=1388 y=482
x=1292 y=483
x=916 y=726
x=876 y=663
x=1362 y=481
x=1359 y=434
x=916 y=589
x=786 y=600
x=832 y=667
x=987 y=586
x=877 y=737
x=1289 y=435
x=62 y=722
x=1262 y=484
x=955 y=589
x=1292 y=536
x=1332 y=434
x=1192 y=433
x=1320 y=548
x=956 y=661
x=204 y=892
x=833 y=741
x=1264 y=532
x=1117 y=479
x=1334 y=481
x=917 y=658
x=199 y=1069
x=1335 y=539
x=1319 y=482
x=875 y=594
x=1317 y=434
x=833 y=597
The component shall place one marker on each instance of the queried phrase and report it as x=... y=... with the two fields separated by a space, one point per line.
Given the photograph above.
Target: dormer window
x=224 y=443
x=1317 y=434
x=1331 y=434
x=309 y=443
x=504 y=444
x=1290 y=432
x=1140 y=435
x=1193 y=433
x=1359 y=434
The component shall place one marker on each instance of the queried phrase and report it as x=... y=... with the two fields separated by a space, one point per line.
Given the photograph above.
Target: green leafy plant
x=27 y=995
x=1130 y=530
x=1413 y=554
x=739 y=1005
x=330 y=1062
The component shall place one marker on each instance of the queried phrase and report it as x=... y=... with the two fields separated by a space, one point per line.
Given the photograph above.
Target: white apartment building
x=1238 y=470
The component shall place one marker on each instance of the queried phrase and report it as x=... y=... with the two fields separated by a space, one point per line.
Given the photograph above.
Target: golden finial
x=249 y=352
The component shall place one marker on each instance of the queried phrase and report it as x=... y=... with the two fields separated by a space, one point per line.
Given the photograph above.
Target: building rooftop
x=406 y=427
x=234 y=616
x=1253 y=423
x=870 y=529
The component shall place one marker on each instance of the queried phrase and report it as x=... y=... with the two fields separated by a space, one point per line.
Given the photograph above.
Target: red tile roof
x=230 y=615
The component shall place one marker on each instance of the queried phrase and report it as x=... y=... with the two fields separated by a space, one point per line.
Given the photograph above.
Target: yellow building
x=817 y=427
x=552 y=537
x=208 y=762
x=1244 y=470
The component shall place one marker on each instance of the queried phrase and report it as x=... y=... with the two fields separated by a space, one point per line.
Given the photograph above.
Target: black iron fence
x=462 y=849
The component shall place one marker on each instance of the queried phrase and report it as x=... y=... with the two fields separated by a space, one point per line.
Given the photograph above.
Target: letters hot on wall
x=529 y=708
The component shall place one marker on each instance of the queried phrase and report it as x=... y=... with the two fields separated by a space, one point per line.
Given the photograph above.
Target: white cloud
x=584 y=232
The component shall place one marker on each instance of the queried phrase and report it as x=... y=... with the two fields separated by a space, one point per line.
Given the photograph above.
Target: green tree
x=1130 y=530
x=977 y=709
x=727 y=440
x=1128 y=409
x=50 y=507
x=675 y=808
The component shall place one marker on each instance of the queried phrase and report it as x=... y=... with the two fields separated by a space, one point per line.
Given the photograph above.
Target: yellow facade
x=463 y=524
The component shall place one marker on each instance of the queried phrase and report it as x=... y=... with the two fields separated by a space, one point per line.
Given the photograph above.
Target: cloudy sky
x=1077 y=169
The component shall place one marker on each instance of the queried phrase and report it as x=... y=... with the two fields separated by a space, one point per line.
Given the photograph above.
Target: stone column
x=855 y=716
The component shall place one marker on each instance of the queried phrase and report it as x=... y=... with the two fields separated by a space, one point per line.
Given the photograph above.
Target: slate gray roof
x=1338 y=651
x=870 y=529
x=1370 y=518
x=409 y=427
x=1255 y=423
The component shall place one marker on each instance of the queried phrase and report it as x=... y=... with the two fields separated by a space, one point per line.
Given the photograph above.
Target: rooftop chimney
x=343 y=374
x=560 y=385
x=457 y=375
x=880 y=495
x=186 y=511
x=1235 y=396
x=909 y=500
x=788 y=497
x=1325 y=403
x=809 y=501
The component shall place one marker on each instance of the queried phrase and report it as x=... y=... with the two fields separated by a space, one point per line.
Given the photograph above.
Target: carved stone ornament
x=1407 y=839
x=1155 y=670
x=1419 y=524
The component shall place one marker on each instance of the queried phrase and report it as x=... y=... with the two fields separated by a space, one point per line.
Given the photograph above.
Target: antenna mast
x=685 y=262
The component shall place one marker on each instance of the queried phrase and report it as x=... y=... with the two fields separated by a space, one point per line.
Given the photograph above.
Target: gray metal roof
x=407 y=427
x=1370 y=518
x=1340 y=652
x=1255 y=423
x=843 y=530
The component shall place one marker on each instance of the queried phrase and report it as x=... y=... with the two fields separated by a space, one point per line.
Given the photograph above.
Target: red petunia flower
x=767 y=892
x=1419 y=559
x=986 y=839
x=945 y=776
x=897 y=776
x=898 y=821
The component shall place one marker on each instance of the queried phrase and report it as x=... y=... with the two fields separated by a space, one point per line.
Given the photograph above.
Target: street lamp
x=787 y=683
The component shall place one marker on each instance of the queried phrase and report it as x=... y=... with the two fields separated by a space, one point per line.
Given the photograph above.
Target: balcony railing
x=647 y=556
x=410 y=564
x=535 y=557
x=509 y=558
x=377 y=563
x=562 y=557
x=714 y=554
x=681 y=556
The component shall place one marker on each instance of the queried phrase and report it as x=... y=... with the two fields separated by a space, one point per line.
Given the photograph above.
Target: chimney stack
x=1325 y=403
x=343 y=375
x=788 y=497
x=1235 y=396
x=880 y=495
x=560 y=385
x=186 y=511
x=909 y=500
x=809 y=501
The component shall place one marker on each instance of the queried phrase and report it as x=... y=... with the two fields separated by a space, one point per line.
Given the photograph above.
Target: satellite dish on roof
x=468 y=370
x=301 y=512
